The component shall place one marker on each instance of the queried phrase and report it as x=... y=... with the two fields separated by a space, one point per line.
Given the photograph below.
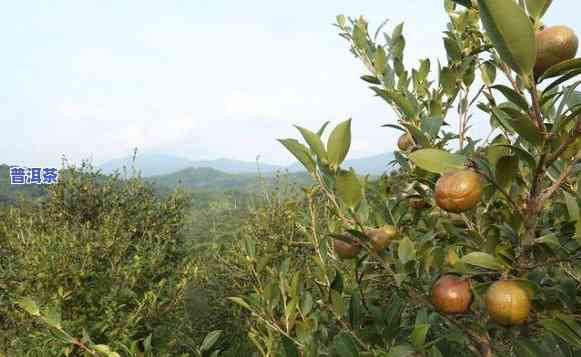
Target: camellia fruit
x=346 y=250
x=380 y=237
x=405 y=142
x=458 y=191
x=555 y=44
x=451 y=294
x=508 y=303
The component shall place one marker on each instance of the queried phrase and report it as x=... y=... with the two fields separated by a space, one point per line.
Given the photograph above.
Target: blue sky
x=198 y=79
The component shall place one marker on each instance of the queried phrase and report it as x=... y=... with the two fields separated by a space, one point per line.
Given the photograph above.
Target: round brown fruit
x=451 y=294
x=555 y=44
x=405 y=142
x=508 y=303
x=346 y=250
x=458 y=191
x=380 y=237
x=417 y=202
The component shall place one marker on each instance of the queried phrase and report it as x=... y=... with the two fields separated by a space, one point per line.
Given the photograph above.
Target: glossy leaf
x=300 y=152
x=419 y=334
x=322 y=129
x=371 y=79
x=561 y=330
x=537 y=8
x=397 y=98
x=401 y=351
x=290 y=349
x=561 y=68
x=355 y=310
x=314 y=142
x=488 y=72
x=482 y=260
x=29 y=306
x=345 y=345
x=511 y=33
x=519 y=123
x=348 y=188
x=527 y=348
x=572 y=206
x=506 y=170
x=437 y=161
x=513 y=96
x=406 y=250
x=339 y=143
x=210 y=340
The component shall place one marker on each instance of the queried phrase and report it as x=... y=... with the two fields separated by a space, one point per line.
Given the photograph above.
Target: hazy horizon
x=198 y=79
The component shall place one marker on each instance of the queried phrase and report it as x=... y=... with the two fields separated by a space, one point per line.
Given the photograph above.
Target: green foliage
x=111 y=262
x=525 y=227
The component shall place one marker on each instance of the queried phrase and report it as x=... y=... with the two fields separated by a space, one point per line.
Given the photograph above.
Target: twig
x=548 y=192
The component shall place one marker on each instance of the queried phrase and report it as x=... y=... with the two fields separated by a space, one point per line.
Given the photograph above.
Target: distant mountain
x=158 y=164
x=236 y=166
x=211 y=179
x=148 y=164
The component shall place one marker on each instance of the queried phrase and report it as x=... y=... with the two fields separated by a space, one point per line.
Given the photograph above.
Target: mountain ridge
x=163 y=164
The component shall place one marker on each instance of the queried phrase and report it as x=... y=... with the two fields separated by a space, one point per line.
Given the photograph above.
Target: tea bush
x=500 y=214
x=105 y=256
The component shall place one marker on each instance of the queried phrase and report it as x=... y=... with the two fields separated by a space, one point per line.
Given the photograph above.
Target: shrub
x=509 y=219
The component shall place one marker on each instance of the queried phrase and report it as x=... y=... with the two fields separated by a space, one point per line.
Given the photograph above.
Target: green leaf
x=401 y=351
x=513 y=96
x=482 y=260
x=338 y=303
x=518 y=122
x=418 y=336
x=322 y=130
x=527 y=348
x=488 y=72
x=380 y=60
x=355 y=310
x=52 y=317
x=453 y=50
x=448 y=81
x=437 y=161
x=307 y=305
x=506 y=170
x=561 y=330
x=300 y=152
x=29 y=305
x=511 y=33
x=348 y=188
x=339 y=143
x=572 y=206
x=210 y=340
x=561 y=68
x=406 y=250
x=345 y=345
x=240 y=302
x=395 y=97
x=370 y=79
x=314 y=142
x=537 y=8
x=337 y=283
x=289 y=346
